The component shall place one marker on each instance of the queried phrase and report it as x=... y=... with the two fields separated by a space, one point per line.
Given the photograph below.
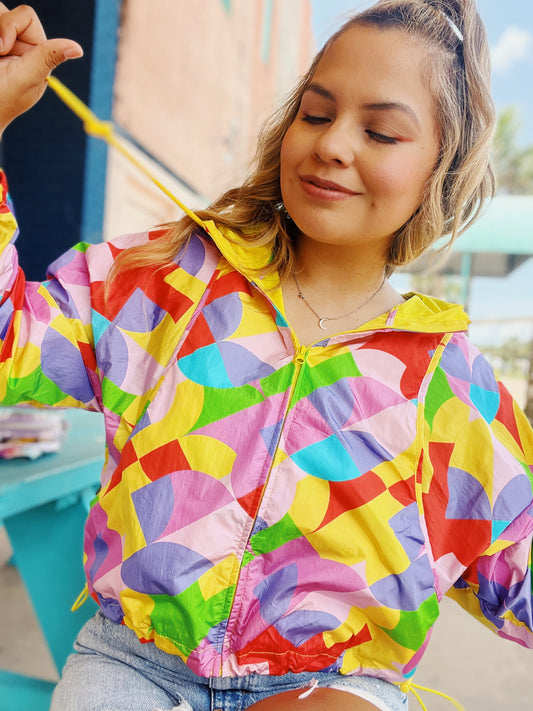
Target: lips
x=324 y=189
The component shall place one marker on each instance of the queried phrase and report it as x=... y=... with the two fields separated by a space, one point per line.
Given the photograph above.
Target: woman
x=301 y=461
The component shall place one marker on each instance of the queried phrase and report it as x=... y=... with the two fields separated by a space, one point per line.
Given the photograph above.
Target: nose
x=336 y=143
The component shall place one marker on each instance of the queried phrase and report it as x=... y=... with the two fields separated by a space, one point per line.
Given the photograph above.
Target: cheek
x=283 y=170
x=388 y=178
x=283 y=157
x=399 y=177
x=289 y=159
x=288 y=154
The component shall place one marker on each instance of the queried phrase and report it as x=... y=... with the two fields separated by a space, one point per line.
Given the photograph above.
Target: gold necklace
x=321 y=320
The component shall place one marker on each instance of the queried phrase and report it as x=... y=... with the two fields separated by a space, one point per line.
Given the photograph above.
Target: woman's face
x=356 y=159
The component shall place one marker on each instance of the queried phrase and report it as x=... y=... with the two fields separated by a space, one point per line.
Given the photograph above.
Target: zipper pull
x=300 y=356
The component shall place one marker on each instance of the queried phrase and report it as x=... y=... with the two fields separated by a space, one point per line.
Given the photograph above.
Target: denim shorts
x=113 y=671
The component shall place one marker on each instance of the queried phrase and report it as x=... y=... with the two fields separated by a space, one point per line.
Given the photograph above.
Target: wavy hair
x=457 y=72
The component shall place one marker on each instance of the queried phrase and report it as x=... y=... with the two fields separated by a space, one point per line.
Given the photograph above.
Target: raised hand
x=26 y=59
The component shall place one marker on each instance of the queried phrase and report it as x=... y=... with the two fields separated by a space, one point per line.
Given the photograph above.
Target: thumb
x=48 y=55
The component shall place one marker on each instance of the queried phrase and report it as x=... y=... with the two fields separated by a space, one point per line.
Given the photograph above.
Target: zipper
x=299 y=360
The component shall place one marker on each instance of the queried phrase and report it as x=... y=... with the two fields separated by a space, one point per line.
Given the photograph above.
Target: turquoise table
x=43 y=505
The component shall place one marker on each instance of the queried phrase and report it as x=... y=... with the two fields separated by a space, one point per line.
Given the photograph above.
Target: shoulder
x=470 y=375
x=476 y=405
x=95 y=260
x=98 y=259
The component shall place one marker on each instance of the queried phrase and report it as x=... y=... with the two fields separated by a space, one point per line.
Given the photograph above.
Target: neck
x=352 y=271
x=335 y=290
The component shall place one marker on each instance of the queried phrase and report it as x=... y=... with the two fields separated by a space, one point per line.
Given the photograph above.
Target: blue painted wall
x=56 y=173
x=103 y=60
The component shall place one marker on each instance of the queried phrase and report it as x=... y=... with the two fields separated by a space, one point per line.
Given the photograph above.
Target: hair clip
x=456 y=31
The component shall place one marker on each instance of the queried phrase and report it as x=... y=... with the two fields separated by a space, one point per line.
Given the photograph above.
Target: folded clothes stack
x=30 y=432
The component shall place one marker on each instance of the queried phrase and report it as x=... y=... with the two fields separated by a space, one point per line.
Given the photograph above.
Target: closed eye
x=381 y=138
x=309 y=118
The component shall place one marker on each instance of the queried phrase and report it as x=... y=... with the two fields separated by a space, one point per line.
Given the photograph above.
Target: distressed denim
x=113 y=671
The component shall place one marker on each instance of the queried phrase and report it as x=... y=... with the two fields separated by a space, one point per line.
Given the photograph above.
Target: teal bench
x=43 y=505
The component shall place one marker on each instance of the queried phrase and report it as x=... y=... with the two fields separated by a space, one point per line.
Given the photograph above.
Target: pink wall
x=192 y=87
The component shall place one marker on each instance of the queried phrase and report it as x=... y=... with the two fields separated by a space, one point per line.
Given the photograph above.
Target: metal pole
x=466 y=279
x=528 y=409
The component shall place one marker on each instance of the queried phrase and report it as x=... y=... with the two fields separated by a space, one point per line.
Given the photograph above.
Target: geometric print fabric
x=271 y=508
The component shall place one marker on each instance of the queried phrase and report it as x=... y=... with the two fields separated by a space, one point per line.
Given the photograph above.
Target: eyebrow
x=394 y=106
x=320 y=90
x=373 y=106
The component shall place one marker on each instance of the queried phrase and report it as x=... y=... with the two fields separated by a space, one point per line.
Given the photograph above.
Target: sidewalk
x=465 y=660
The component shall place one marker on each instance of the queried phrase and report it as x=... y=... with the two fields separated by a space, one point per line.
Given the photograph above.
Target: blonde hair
x=458 y=77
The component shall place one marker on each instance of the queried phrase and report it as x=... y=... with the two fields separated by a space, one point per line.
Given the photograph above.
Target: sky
x=509 y=25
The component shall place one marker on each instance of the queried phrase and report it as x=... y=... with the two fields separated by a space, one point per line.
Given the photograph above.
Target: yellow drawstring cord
x=82 y=597
x=410 y=686
x=105 y=130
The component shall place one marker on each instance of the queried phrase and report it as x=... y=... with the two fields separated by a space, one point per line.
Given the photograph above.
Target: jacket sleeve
x=46 y=339
x=476 y=480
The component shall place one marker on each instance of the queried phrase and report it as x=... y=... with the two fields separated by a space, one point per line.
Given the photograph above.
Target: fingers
x=21 y=33
x=26 y=60
x=21 y=23
x=21 y=30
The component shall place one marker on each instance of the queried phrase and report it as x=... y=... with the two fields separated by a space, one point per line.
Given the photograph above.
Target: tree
x=513 y=167
x=513 y=163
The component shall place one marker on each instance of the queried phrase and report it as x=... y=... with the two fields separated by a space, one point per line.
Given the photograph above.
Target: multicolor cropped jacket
x=267 y=506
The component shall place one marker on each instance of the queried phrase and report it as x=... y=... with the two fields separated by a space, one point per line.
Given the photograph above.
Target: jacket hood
x=418 y=313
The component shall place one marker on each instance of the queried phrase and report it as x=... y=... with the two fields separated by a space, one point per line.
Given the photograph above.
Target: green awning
x=497 y=243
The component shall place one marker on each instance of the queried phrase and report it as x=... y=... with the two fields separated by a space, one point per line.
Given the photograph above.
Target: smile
x=321 y=189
